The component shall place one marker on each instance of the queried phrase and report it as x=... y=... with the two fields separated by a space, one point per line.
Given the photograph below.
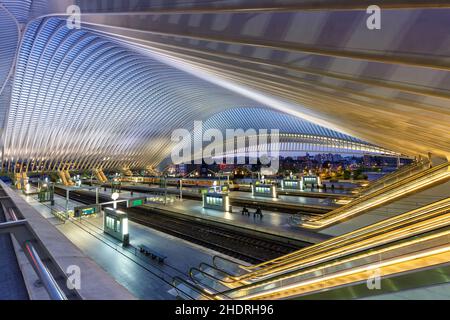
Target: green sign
x=88 y=210
x=136 y=202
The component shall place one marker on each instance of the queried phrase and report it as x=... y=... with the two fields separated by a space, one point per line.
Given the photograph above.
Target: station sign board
x=136 y=202
x=86 y=210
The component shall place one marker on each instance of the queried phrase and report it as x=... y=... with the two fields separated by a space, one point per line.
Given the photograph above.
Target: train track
x=236 y=244
x=230 y=243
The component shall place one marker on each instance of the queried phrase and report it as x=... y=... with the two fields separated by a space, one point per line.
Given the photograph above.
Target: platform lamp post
x=216 y=174
x=165 y=189
x=67 y=202
x=115 y=196
x=164 y=176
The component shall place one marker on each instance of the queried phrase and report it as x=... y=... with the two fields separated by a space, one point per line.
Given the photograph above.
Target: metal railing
x=433 y=175
x=398 y=227
x=36 y=254
x=44 y=275
x=396 y=175
x=395 y=237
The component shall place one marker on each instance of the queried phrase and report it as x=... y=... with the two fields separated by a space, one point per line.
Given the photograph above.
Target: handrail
x=48 y=281
x=192 y=276
x=407 y=168
x=303 y=270
x=190 y=285
x=407 y=179
x=311 y=222
x=383 y=238
x=441 y=204
x=378 y=229
x=215 y=257
x=214 y=268
x=46 y=278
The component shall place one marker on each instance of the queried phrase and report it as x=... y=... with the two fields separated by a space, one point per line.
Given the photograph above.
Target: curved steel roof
x=111 y=93
x=389 y=86
x=254 y=118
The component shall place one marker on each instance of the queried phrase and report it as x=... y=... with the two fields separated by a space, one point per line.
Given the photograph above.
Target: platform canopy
x=111 y=93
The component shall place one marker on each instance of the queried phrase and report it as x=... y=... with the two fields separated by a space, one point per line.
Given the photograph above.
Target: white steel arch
x=83 y=99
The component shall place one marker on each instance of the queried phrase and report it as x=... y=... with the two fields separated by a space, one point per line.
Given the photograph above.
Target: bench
x=151 y=253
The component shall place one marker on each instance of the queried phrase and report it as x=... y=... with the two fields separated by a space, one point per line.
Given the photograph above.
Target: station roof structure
x=111 y=93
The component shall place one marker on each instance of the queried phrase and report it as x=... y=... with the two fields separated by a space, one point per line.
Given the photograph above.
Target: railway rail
x=233 y=243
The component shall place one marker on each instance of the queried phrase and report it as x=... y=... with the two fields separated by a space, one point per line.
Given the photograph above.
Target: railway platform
x=284 y=203
x=272 y=222
x=141 y=276
x=63 y=253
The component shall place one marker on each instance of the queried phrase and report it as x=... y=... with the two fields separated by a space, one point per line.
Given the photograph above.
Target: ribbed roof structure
x=111 y=93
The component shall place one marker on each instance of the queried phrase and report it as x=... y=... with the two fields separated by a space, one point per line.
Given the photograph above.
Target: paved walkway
x=143 y=277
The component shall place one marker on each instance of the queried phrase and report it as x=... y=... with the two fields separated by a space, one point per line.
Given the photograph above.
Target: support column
x=67 y=202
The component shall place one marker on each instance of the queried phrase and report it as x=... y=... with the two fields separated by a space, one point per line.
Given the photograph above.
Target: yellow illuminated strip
x=361 y=256
x=403 y=264
x=381 y=239
x=352 y=236
x=422 y=223
x=334 y=217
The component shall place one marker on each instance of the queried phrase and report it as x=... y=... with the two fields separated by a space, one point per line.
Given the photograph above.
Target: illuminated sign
x=86 y=210
x=136 y=202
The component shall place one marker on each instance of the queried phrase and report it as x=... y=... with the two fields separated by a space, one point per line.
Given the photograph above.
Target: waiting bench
x=151 y=253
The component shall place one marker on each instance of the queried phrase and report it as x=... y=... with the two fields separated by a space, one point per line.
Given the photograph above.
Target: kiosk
x=311 y=180
x=217 y=199
x=115 y=223
x=291 y=184
x=264 y=190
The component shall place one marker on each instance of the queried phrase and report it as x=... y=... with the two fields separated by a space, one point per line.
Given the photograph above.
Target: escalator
x=390 y=178
x=406 y=186
x=407 y=243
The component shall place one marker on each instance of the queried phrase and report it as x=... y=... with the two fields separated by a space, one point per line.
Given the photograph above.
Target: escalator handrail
x=192 y=276
x=314 y=260
x=405 y=169
x=340 y=252
x=214 y=268
x=364 y=198
x=358 y=234
x=192 y=286
x=348 y=236
x=215 y=257
x=288 y=274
